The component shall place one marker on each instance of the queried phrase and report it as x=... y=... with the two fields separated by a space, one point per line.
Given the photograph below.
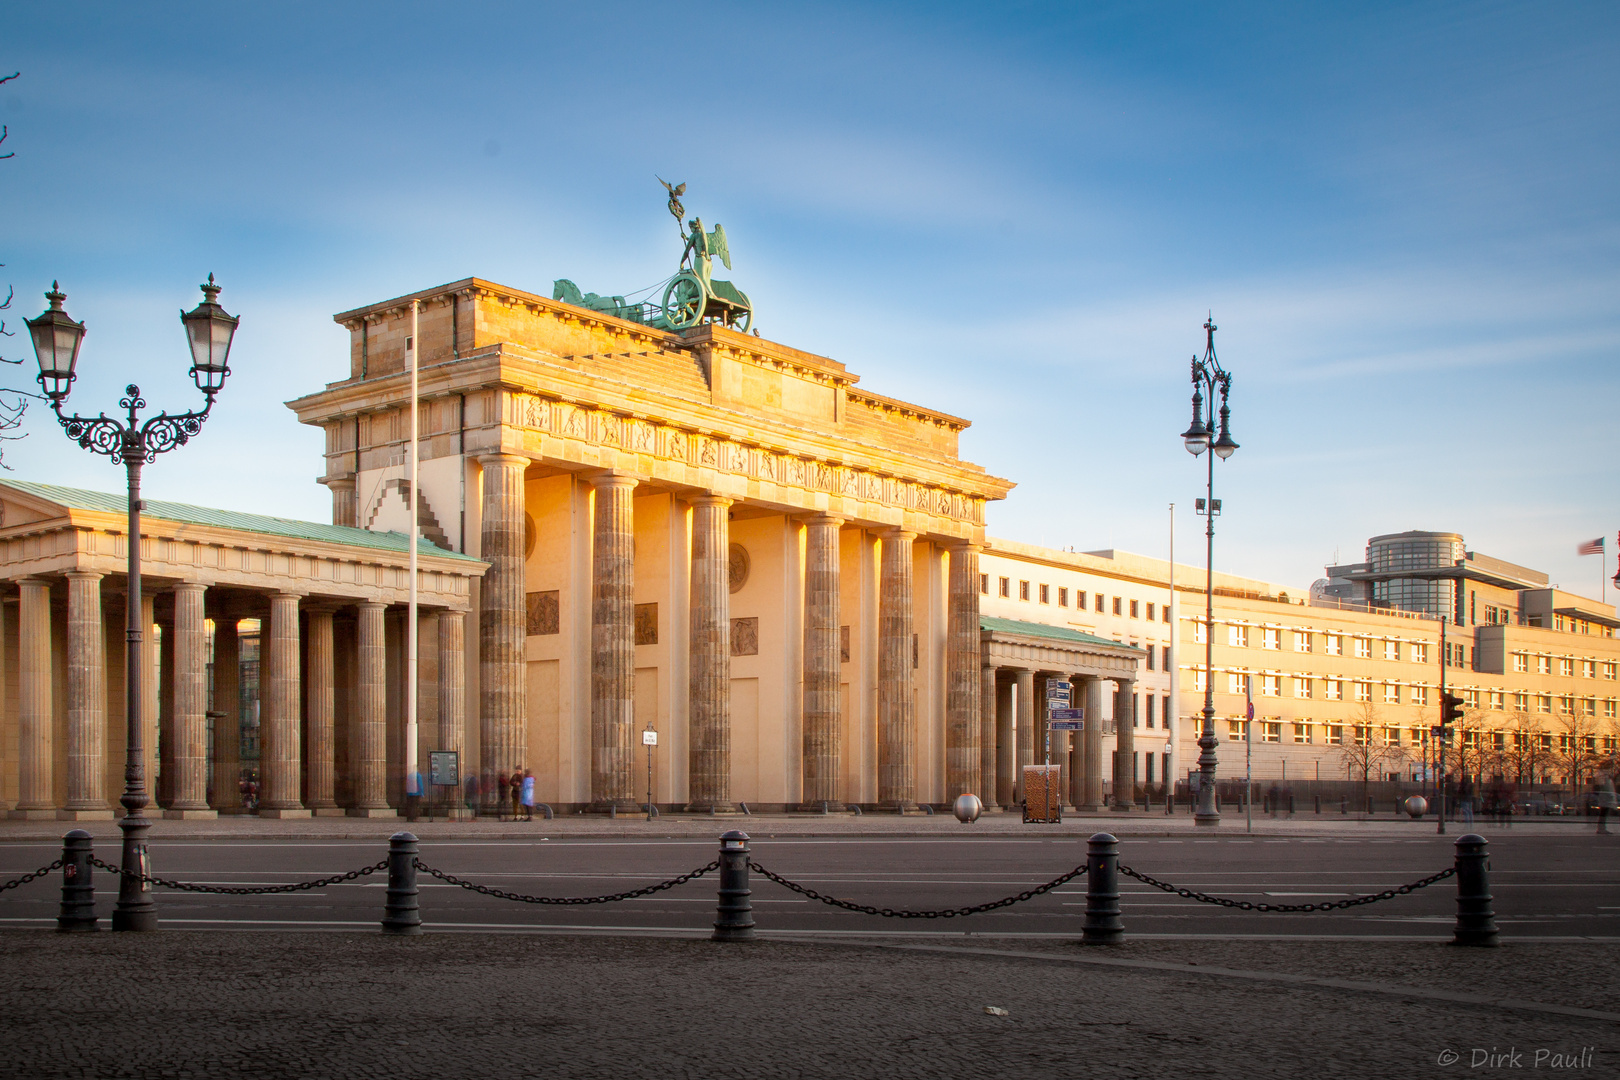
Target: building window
x=1608 y=713
x=1099 y=602
x=1270 y=731
x=1150 y=651
x=1006 y=587
x=1063 y=597
x=1271 y=686
x=1417 y=736
x=1200 y=632
x=1498 y=740
x=1496 y=700
x=1335 y=734
x=1333 y=645
x=1588 y=669
x=1566 y=705
x=1238 y=636
x=1302 y=688
x=1363 y=691
x=1234 y=731
x=1046 y=594
x=1544 y=741
x=1363 y=648
x=1420 y=695
x=1521 y=701
x=1302 y=641
x=1543 y=664
x=1151 y=607
x=1471 y=698
x=1362 y=733
x=1165 y=651
x=1119 y=603
x=1608 y=670
x=1543 y=703
x=1392 y=650
x=1237 y=684
x=1302 y=733
x=1521 y=663
x=1148 y=718
x=1136 y=609
x=1392 y=736
x=1420 y=652
x=1164 y=613
x=1201 y=680
x=1392 y=694
x=984 y=584
x=1023 y=590
x=1270 y=638
x=1333 y=690
x=1566 y=667
x=1589 y=707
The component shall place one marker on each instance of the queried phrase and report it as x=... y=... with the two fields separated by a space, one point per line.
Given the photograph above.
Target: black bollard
x=734 y=918
x=401 y=912
x=1476 y=922
x=77 y=914
x=1103 y=925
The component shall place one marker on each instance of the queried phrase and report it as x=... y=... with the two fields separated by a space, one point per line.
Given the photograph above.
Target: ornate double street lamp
x=1209 y=377
x=133 y=443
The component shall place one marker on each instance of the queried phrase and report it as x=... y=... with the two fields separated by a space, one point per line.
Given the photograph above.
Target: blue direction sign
x=1068 y=725
x=1066 y=714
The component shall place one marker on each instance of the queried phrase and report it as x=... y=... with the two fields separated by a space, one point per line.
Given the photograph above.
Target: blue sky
x=1403 y=216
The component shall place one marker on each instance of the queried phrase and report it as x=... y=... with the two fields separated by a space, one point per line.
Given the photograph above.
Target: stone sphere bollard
x=1416 y=806
x=968 y=808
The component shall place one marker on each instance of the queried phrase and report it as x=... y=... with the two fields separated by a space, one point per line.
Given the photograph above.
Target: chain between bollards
x=402 y=913
x=1476 y=922
x=1103 y=925
x=734 y=916
x=77 y=915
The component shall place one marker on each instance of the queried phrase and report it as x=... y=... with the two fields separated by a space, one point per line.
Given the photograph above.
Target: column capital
x=188 y=586
x=710 y=498
x=340 y=483
x=957 y=545
x=898 y=532
x=823 y=518
x=611 y=478
x=83 y=575
x=295 y=597
x=502 y=459
x=33 y=579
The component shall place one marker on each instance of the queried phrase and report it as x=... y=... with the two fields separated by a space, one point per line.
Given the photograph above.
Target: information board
x=444 y=768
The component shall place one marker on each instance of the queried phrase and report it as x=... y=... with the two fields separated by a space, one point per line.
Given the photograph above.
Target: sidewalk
x=442 y=1006
x=1134 y=824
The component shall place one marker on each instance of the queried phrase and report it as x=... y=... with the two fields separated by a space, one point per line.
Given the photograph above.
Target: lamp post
x=1208 y=376
x=132 y=443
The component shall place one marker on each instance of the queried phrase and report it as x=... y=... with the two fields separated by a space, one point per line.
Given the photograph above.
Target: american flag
x=1590 y=547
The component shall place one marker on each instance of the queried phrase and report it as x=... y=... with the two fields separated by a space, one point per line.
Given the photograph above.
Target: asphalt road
x=1545 y=886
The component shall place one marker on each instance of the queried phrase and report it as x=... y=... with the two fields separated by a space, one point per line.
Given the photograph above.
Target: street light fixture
x=132 y=443
x=1208 y=375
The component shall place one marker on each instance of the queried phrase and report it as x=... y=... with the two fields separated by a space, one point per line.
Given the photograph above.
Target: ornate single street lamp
x=132 y=443
x=1208 y=375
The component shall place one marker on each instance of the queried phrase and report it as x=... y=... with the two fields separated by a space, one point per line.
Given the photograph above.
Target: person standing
x=528 y=795
x=1605 y=801
x=1465 y=798
x=516 y=784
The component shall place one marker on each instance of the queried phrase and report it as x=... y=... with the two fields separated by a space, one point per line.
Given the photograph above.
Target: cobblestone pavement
x=229 y=1005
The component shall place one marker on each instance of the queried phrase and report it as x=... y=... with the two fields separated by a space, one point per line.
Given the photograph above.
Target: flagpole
x=412 y=786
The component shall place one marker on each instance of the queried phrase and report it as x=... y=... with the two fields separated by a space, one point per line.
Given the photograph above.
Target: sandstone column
x=502 y=682
x=1006 y=745
x=709 y=710
x=228 y=718
x=822 y=698
x=613 y=641
x=453 y=695
x=897 y=702
x=1125 y=744
x=153 y=695
x=188 y=793
x=163 y=655
x=1092 y=745
x=36 y=799
x=87 y=700
x=1025 y=682
x=987 y=735
x=280 y=764
x=320 y=713
x=370 y=751
x=962 y=674
x=345 y=507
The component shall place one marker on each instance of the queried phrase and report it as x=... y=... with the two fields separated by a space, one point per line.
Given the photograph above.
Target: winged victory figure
x=675 y=194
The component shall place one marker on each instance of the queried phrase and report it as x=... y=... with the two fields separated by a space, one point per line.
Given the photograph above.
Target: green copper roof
x=77 y=499
x=1057 y=633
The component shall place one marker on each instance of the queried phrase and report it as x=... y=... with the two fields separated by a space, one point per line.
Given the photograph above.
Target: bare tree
x=1575 y=746
x=13 y=402
x=1526 y=753
x=1368 y=747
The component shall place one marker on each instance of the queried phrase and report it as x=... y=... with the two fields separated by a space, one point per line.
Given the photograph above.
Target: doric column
x=613 y=640
x=228 y=716
x=453 y=693
x=36 y=798
x=502 y=686
x=188 y=793
x=1092 y=746
x=153 y=695
x=87 y=700
x=822 y=699
x=369 y=756
x=1006 y=744
x=1124 y=744
x=897 y=702
x=987 y=734
x=345 y=507
x=1025 y=682
x=163 y=654
x=320 y=712
x=280 y=764
x=709 y=709
x=962 y=674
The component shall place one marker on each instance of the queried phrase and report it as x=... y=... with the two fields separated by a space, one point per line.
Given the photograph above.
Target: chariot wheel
x=743 y=319
x=684 y=301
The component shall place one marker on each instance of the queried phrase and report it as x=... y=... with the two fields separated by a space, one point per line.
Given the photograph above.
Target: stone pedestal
x=280 y=759
x=897 y=701
x=822 y=699
x=709 y=715
x=87 y=697
x=502 y=670
x=962 y=758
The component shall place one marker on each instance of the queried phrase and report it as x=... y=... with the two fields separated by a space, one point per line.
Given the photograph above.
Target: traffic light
x=1451 y=709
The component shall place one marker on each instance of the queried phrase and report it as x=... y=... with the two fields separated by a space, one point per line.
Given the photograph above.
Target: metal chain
x=1246 y=905
x=26 y=878
x=241 y=890
x=891 y=913
x=502 y=894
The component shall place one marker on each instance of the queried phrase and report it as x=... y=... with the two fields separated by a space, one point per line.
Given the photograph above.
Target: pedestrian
x=528 y=795
x=515 y=782
x=1605 y=797
x=1465 y=798
x=470 y=792
x=1273 y=796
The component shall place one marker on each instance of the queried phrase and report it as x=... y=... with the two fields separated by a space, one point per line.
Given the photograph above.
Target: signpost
x=444 y=771
x=649 y=739
x=1057 y=700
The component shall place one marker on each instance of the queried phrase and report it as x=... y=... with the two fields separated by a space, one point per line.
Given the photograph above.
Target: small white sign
x=649 y=738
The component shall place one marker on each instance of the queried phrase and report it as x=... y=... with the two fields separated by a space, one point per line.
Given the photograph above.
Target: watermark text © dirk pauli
x=1512 y=1057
